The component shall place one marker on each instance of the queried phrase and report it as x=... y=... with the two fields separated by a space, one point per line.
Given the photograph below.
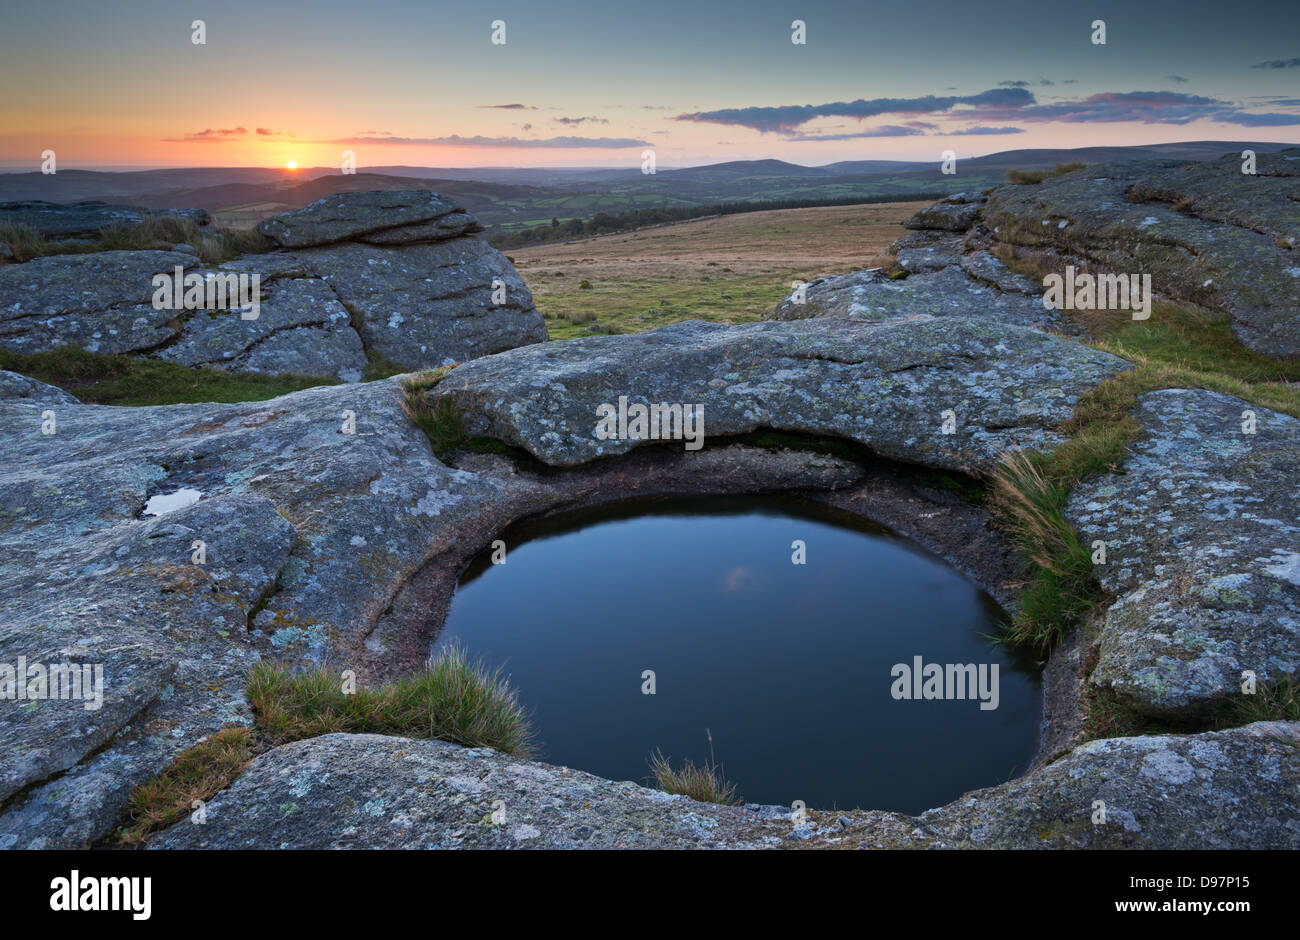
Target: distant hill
x=508 y=198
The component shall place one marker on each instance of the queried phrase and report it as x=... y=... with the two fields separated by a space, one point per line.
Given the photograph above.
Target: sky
x=582 y=83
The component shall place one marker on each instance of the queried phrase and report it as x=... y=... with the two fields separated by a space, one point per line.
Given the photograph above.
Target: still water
x=793 y=669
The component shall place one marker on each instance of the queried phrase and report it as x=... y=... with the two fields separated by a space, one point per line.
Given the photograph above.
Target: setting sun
x=292 y=165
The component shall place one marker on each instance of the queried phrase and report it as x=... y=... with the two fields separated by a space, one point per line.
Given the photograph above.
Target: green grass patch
x=104 y=379
x=633 y=304
x=452 y=699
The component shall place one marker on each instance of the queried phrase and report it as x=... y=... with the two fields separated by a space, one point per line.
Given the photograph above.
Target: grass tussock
x=1034 y=177
x=195 y=774
x=1029 y=498
x=103 y=379
x=452 y=699
x=162 y=232
x=703 y=783
x=439 y=420
x=889 y=266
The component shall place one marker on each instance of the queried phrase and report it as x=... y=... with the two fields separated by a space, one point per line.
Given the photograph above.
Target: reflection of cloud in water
x=739 y=579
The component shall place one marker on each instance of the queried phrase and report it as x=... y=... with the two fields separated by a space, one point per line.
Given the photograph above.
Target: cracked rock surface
x=884 y=385
x=1202 y=533
x=399 y=274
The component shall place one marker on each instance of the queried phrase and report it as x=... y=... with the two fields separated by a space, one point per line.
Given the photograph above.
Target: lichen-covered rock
x=918 y=252
x=429 y=304
x=1230 y=789
x=885 y=385
x=1206 y=233
x=345 y=790
x=308 y=528
x=15 y=386
x=384 y=217
x=99 y=301
x=301 y=328
x=397 y=274
x=984 y=266
x=1233 y=789
x=956 y=213
x=1202 y=534
x=947 y=292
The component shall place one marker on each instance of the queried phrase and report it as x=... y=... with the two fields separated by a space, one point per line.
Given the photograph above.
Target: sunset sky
x=419 y=83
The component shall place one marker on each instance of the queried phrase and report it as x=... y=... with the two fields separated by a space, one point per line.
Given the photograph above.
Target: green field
x=732 y=269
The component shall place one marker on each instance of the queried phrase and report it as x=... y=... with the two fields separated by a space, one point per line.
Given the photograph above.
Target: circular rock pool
x=864 y=677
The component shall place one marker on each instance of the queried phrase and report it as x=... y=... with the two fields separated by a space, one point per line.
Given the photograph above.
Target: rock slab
x=884 y=385
x=1202 y=534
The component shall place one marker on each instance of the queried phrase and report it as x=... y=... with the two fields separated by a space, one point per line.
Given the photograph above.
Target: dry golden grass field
x=732 y=269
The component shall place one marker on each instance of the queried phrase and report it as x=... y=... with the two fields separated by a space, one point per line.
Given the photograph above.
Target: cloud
x=267 y=132
x=784 y=118
x=509 y=107
x=1018 y=83
x=981 y=130
x=1178 y=78
x=1141 y=107
x=574 y=122
x=1277 y=64
x=997 y=107
x=886 y=130
x=740 y=578
x=455 y=140
x=1046 y=82
x=213 y=134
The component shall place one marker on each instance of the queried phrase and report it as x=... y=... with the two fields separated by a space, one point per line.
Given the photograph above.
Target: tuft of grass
x=104 y=379
x=703 y=783
x=195 y=774
x=23 y=241
x=452 y=699
x=1276 y=701
x=889 y=266
x=439 y=420
x=1029 y=498
x=1034 y=177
